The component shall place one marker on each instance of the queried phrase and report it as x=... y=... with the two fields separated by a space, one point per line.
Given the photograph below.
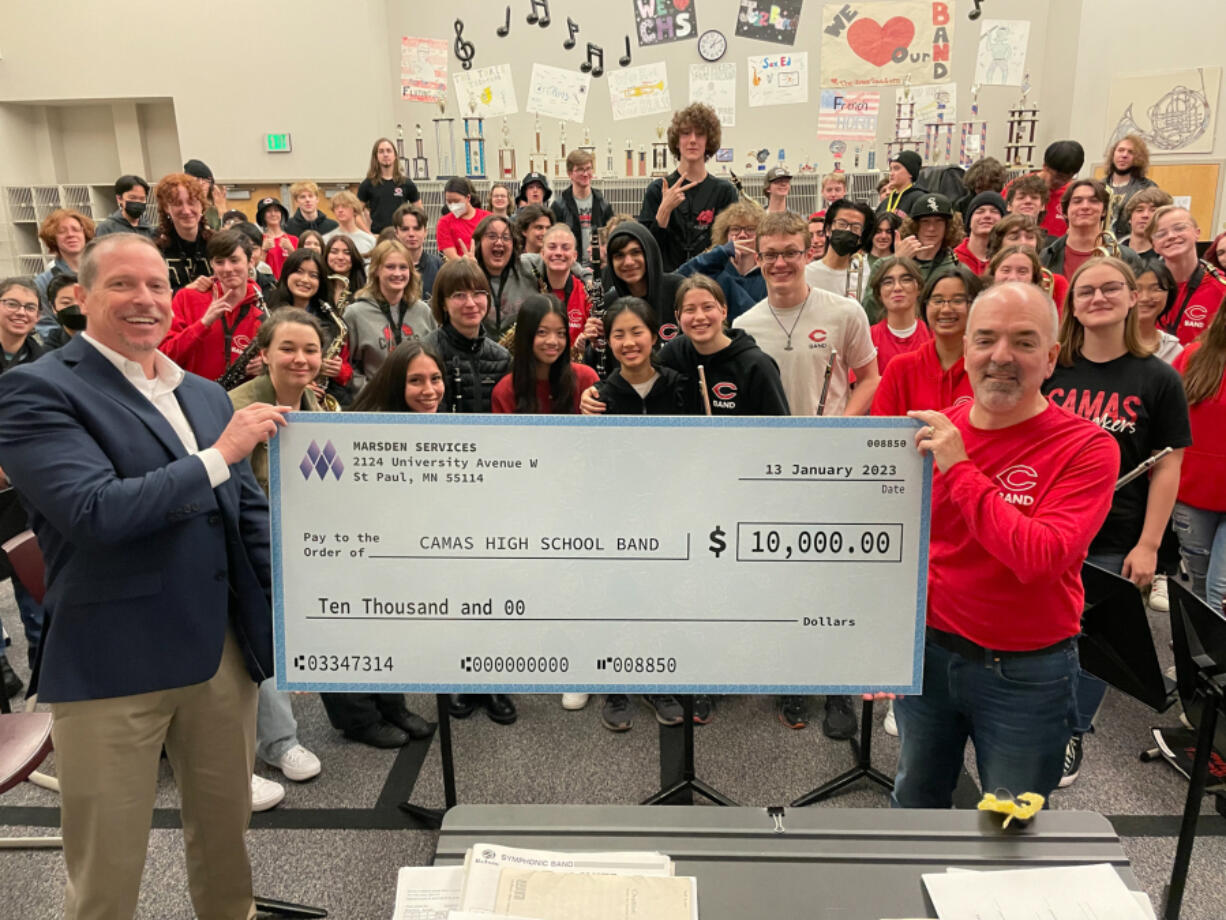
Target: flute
x=1142 y=468
x=821 y=402
x=702 y=385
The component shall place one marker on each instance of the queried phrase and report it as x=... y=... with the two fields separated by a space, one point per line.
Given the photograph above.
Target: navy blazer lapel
x=101 y=375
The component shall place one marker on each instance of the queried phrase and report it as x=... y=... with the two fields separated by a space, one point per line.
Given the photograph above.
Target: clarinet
x=456 y=379
x=595 y=294
x=236 y=371
x=821 y=402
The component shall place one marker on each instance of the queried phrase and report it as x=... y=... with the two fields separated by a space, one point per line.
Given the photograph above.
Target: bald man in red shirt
x=1021 y=489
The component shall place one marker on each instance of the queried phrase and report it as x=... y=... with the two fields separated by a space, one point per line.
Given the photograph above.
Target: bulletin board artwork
x=637 y=91
x=487 y=92
x=1173 y=112
x=558 y=93
x=779 y=79
x=876 y=43
x=423 y=69
x=774 y=21
x=848 y=115
x=715 y=85
x=658 y=22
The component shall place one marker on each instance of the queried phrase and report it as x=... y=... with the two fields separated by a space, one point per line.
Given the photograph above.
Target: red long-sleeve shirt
x=890 y=346
x=1198 y=309
x=503 y=398
x=916 y=380
x=1201 y=483
x=201 y=349
x=1011 y=527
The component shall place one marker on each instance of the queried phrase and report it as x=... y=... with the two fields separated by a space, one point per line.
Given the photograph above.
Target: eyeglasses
x=1174 y=228
x=477 y=297
x=1108 y=289
x=498 y=237
x=788 y=255
x=742 y=231
x=939 y=302
x=16 y=306
x=839 y=224
x=904 y=281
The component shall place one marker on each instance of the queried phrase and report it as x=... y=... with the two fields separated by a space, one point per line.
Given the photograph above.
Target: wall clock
x=712 y=44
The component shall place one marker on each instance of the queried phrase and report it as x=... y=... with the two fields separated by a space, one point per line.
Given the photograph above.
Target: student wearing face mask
x=844 y=227
x=131 y=194
x=62 y=294
x=454 y=233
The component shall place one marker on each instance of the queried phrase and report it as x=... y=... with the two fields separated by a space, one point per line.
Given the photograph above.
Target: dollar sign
x=718 y=544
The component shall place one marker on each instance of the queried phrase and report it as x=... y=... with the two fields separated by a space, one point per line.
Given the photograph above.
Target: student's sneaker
x=793 y=711
x=704 y=709
x=1159 y=600
x=839 y=722
x=265 y=794
x=890 y=724
x=668 y=711
x=617 y=715
x=298 y=764
x=1072 y=762
x=574 y=701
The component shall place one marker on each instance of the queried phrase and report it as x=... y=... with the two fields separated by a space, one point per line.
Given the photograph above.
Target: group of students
x=566 y=307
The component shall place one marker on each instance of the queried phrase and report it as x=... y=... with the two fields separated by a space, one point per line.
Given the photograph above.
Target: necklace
x=784 y=329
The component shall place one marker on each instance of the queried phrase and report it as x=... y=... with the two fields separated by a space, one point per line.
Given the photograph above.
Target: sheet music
x=427 y=892
x=1061 y=893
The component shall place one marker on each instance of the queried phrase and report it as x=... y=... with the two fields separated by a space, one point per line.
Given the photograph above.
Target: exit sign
x=277 y=143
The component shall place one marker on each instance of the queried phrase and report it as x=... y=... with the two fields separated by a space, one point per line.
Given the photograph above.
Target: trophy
x=589 y=148
x=561 y=160
x=446 y=157
x=642 y=159
x=538 y=162
x=609 y=173
x=420 y=165
x=1023 y=124
x=940 y=133
x=474 y=143
x=629 y=159
x=659 y=154
x=974 y=134
x=837 y=149
x=404 y=163
x=904 y=123
x=506 y=154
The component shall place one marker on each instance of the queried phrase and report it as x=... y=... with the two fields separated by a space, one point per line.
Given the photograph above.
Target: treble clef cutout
x=541 y=19
x=572 y=27
x=624 y=60
x=504 y=31
x=595 y=61
x=463 y=48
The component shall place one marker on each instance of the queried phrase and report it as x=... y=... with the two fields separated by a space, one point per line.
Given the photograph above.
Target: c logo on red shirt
x=724 y=390
x=962 y=400
x=1196 y=313
x=668 y=332
x=575 y=316
x=818 y=335
x=1018 y=478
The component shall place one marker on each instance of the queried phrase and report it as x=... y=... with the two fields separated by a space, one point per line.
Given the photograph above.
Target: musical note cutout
x=595 y=61
x=463 y=48
x=505 y=30
x=572 y=27
x=541 y=18
x=624 y=60
x=976 y=12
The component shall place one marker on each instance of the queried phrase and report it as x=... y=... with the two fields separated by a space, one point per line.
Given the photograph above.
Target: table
x=826 y=864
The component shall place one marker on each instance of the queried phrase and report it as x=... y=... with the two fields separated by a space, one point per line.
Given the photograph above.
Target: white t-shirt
x=1169 y=347
x=845 y=282
x=824 y=321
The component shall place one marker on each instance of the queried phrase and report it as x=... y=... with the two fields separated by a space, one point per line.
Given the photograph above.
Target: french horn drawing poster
x=637 y=91
x=1174 y=112
x=486 y=92
x=779 y=79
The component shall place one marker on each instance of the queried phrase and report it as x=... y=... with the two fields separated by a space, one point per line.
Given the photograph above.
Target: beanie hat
x=911 y=162
x=985 y=199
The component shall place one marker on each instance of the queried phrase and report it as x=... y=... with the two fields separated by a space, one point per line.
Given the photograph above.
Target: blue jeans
x=1202 y=544
x=276 y=729
x=33 y=616
x=1090 y=689
x=1017 y=711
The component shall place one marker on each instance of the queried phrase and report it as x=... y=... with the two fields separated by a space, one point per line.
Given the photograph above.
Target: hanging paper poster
x=848 y=115
x=558 y=93
x=661 y=21
x=715 y=84
x=486 y=92
x=1173 y=112
x=779 y=79
x=1002 y=52
x=423 y=69
x=769 y=20
x=936 y=102
x=877 y=43
x=637 y=91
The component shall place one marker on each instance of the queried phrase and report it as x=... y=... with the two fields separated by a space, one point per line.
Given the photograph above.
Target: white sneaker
x=890 y=724
x=1159 y=600
x=298 y=764
x=265 y=794
x=573 y=701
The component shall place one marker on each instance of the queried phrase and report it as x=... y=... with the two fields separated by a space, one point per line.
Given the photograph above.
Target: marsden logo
x=321 y=461
x=724 y=390
x=1018 y=478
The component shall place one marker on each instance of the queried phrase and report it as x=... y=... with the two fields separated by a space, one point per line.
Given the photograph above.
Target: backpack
x=943 y=180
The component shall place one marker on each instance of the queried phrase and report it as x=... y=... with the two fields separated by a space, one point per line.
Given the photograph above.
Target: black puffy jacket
x=476 y=364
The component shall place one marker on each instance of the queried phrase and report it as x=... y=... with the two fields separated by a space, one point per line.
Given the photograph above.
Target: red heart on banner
x=876 y=43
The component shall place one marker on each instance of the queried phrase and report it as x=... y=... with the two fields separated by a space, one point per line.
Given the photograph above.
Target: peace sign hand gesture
x=671 y=196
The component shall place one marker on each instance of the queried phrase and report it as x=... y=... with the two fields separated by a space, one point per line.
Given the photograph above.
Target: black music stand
x=432 y=818
x=1116 y=643
x=864 y=769
x=689 y=781
x=1199 y=637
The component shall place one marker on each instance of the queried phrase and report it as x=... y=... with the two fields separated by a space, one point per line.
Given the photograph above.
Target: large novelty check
x=551 y=553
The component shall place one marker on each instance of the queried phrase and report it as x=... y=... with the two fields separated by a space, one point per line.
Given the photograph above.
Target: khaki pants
x=106 y=758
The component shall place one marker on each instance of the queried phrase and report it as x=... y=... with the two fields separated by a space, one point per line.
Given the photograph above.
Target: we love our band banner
x=885 y=43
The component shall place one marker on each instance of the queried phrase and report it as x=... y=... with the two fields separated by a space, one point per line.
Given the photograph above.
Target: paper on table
x=559 y=896
x=1142 y=899
x=427 y=892
x=1060 y=893
x=485 y=860
x=479 y=915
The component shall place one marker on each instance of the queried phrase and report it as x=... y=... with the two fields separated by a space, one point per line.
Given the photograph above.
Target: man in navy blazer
x=155 y=536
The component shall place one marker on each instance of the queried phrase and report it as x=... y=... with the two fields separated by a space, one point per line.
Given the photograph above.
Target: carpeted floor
x=337 y=841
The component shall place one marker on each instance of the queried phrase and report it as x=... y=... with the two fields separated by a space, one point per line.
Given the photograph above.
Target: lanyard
x=397 y=331
x=1193 y=283
x=228 y=329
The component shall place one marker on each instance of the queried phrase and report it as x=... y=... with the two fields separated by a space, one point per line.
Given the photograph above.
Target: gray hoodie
x=371 y=338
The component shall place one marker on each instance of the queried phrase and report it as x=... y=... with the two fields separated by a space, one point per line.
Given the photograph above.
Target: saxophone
x=236 y=372
x=542 y=284
x=740 y=189
x=328 y=401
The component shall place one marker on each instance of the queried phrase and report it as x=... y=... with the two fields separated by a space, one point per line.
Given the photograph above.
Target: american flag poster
x=848 y=115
